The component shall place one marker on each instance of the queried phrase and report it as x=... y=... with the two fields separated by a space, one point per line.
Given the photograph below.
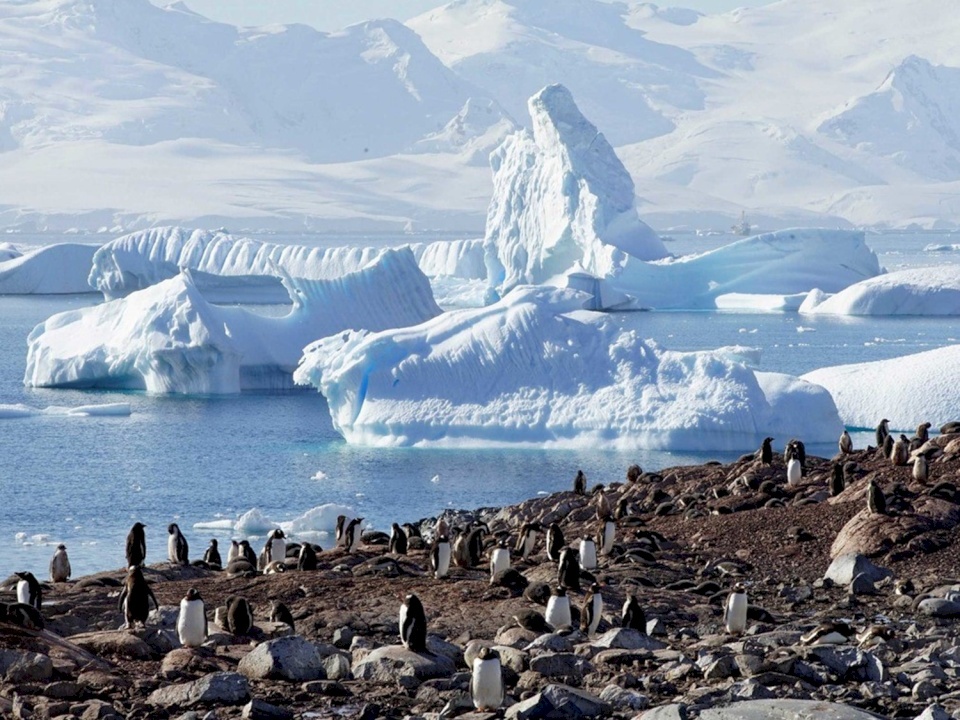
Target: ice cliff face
x=561 y=198
x=535 y=369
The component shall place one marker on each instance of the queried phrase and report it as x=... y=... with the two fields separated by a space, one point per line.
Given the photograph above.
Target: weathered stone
x=939 y=607
x=337 y=667
x=388 y=664
x=551 y=642
x=558 y=702
x=117 y=643
x=750 y=689
x=262 y=710
x=342 y=637
x=934 y=712
x=622 y=699
x=516 y=660
x=18 y=666
x=439 y=646
x=627 y=639
x=923 y=691
x=100 y=710
x=289 y=658
x=514 y=636
x=862 y=585
x=748 y=664
x=618 y=658
x=846 y=567
x=559 y=665
x=721 y=668
x=64 y=690
x=674 y=711
x=214 y=689
x=784 y=709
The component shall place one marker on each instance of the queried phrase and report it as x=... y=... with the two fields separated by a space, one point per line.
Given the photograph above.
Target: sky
x=335 y=14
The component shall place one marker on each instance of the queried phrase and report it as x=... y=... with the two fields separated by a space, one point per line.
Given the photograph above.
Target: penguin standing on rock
x=558 y=609
x=580 y=483
x=486 y=681
x=135 y=598
x=883 y=432
x=341 y=526
x=234 y=552
x=592 y=610
x=568 y=571
x=555 y=542
x=888 y=444
x=239 y=616
x=274 y=549
x=440 y=557
x=247 y=553
x=766 y=451
x=836 y=480
x=281 y=613
x=192 y=620
x=846 y=443
x=29 y=591
x=735 y=610
x=136 y=545
x=794 y=471
x=398 y=540
x=588 y=554
x=351 y=535
x=606 y=535
x=60 y=565
x=499 y=559
x=921 y=471
x=876 y=502
x=527 y=539
x=901 y=452
x=413 y=624
x=307 y=558
x=177 y=548
x=211 y=556
x=632 y=615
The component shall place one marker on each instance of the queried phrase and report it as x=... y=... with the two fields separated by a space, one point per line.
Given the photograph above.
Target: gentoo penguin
x=846 y=443
x=247 y=553
x=606 y=535
x=632 y=615
x=588 y=553
x=234 y=552
x=888 y=446
x=901 y=451
x=177 y=548
x=499 y=559
x=828 y=633
x=461 y=551
x=486 y=681
x=568 y=570
x=836 y=480
x=281 y=613
x=882 y=432
x=633 y=473
x=60 y=565
x=876 y=502
x=135 y=598
x=411 y=531
x=351 y=535
x=442 y=528
x=239 y=615
x=920 y=469
x=923 y=433
x=592 y=609
x=555 y=542
x=527 y=539
x=29 y=591
x=766 y=451
x=274 y=549
x=192 y=621
x=794 y=471
x=211 y=556
x=796 y=448
x=276 y=566
x=398 y=540
x=558 y=609
x=307 y=559
x=440 y=557
x=413 y=624
x=26 y=616
x=136 y=545
x=580 y=483
x=475 y=543
x=735 y=610
x=341 y=526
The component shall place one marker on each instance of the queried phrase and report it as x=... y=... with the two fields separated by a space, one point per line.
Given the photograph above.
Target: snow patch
x=919 y=291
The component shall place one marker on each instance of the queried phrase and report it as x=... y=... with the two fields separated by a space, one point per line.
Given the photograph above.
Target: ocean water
x=84 y=481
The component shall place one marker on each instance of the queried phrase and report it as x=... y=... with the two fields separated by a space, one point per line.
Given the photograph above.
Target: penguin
x=275 y=567
x=558 y=609
x=580 y=483
x=135 y=598
x=845 y=443
x=499 y=559
x=883 y=432
x=29 y=591
x=766 y=451
x=442 y=528
x=555 y=542
x=923 y=433
x=632 y=615
x=60 y=565
x=274 y=549
x=239 y=615
x=281 y=613
x=588 y=554
x=411 y=531
x=234 y=552
x=623 y=508
x=920 y=469
x=413 y=624
x=606 y=535
x=828 y=633
x=735 y=610
x=486 y=681
x=307 y=559
x=177 y=548
x=461 y=550
x=527 y=539
x=26 y=616
x=192 y=621
x=568 y=569
x=794 y=471
x=901 y=451
x=592 y=609
x=440 y=557
x=876 y=502
x=475 y=543
x=398 y=540
x=633 y=473
x=136 y=545
x=341 y=526
x=247 y=553
x=211 y=556
x=603 y=506
x=797 y=449
x=351 y=535
x=836 y=480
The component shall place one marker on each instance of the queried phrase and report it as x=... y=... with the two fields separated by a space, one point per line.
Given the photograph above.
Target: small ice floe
x=804 y=329
x=435 y=479
x=319 y=475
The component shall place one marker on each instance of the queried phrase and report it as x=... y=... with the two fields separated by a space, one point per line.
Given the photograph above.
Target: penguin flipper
x=121 y=599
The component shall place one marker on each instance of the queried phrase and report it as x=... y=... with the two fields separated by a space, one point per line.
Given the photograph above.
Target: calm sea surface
x=84 y=481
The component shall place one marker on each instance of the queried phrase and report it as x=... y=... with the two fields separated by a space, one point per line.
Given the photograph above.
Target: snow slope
x=168 y=339
x=921 y=291
x=49 y=270
x=535 y=369
x=908 y=390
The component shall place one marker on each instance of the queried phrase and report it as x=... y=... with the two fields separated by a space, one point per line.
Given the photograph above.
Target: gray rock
x=18 y=666
x=938 y=607
x=750 y=689
x=118 y=643
x=287 y=658
x=674 y=711
x=164 y=616
x=226 y=688
x=621 y=699
x=721 y=668
x=342 y=637
x=559 y=665
x=934 y=712
x=63 y=690
x=627 y=639
x=262 y=710
x=783 y=709
x=551 y=642
x=388 y=664
x=337 y=666
x=439 y=646
x=657 y=627
x=516 y=660
x=924 y=690
x=558 y=702
x=862 y=585
x=98 y=710
x=849 y=663
x=845 y=568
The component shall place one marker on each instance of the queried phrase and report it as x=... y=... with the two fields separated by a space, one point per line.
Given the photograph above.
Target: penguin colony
x=465 y=548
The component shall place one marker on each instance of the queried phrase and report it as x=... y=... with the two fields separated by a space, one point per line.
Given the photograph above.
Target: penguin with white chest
x=29 y=591
x=351 y=535
x=192 y=621
x=568 y=569
x=398 y=540
x=211 y=555
x=527 y=539
x=735 y=610
x=632 y=615
x=486 y=681
x=440 y=557
x=499 y=559
x=588 y=553
x=135 y=598
x=845 y=443
x=591 y=611
x=234 y=552
x=555 y=542
x=274 y=549
x=794 y=471
x=558 y=609
x=60 y=565
x=178 y=550
x=413 y=624
x=606 y=535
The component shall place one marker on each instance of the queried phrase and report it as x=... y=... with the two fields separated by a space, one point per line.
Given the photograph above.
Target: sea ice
x=536 y=369
x=8 y=412
x=169 y=339
x=49 y=270
x=918 y=291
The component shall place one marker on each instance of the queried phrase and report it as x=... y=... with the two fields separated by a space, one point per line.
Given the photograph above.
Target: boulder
x=783 y=709
x=846 y=567
x=17 y=666
x=559 y=702
x=621 y=699
x=391 y=662
x=288 y=658
x=674 y=711
x=262 y=710
x=226 y=688
x=627 y=639
x=116 y=643
x=938 y=607
x=870 y=534
x=559 y=665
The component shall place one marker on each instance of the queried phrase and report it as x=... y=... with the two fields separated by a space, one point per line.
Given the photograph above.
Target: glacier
x=536 y=369
x=907 y=390
x=59 y=269
x=168 y=338
x=918 y=291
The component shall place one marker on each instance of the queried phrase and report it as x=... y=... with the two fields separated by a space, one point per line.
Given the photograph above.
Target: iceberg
x=253 y=522
x=536 y=369
x=561 y=197
x=59 y=269
x=907 y=390
x=168 y=338
x=233 y=269
x=8 y=412
x=918 y=291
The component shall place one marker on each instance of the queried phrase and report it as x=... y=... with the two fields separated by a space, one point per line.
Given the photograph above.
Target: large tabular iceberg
x=49 y=270
x=534 y=368
x=908 y=390
x=919 y=291
x=169 y=339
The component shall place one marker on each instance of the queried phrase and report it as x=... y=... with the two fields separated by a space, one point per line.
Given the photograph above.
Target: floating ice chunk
x=804 y=329
x=918 y=291
x=435 y=479
x=322 y=518
x=223 y=524
x=8 y=412
x=319 y=475
x=253 y=522
x=760 y=303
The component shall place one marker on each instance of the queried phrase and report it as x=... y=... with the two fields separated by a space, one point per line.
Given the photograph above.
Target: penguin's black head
x=213 y=542
x=488 y=653
x=595 y=588
x=244 y=543
x=138 y=526
x=559 y=591
x=278 y=533
x=61 y=546
x=193 y=594
x=767 y=441
x=22 y=575
x=172 y=528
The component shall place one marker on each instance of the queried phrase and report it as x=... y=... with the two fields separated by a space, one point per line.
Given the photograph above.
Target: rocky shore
x=853 y=614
